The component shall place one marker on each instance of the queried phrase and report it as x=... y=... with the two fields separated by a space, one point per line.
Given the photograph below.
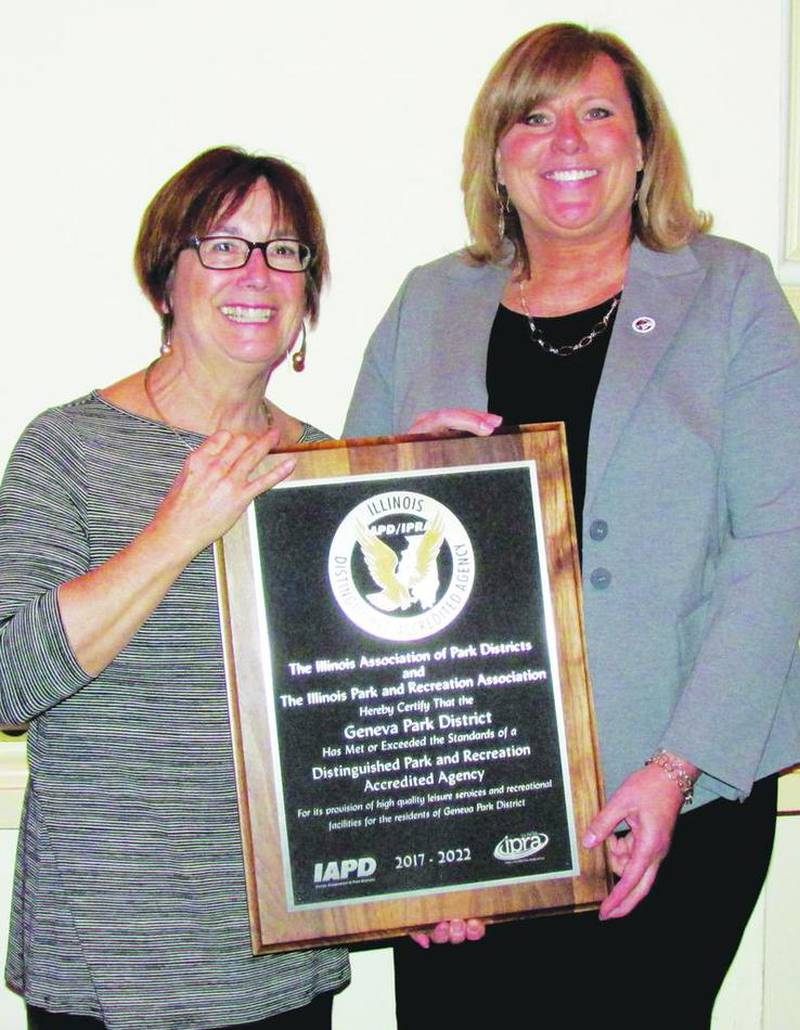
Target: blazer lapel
x=659 y=287
x=465 y=322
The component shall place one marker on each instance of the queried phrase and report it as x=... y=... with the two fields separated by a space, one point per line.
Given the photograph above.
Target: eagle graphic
x=413 y=577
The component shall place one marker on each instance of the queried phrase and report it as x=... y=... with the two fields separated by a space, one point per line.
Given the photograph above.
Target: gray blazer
x=691 y=535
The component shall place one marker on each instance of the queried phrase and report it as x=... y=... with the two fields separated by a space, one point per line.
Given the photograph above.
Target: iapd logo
x=333 y=874
x=521 y=847
x=401 y=565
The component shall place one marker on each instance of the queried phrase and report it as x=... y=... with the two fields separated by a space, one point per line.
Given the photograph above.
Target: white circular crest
x=401 y=565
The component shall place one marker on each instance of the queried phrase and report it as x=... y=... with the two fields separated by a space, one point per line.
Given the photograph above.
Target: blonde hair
x=538 y=66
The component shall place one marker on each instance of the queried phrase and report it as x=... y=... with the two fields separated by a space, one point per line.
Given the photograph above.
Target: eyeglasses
x=221 y=252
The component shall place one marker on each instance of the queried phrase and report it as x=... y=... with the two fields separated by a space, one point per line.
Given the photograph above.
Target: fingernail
x=589 y=839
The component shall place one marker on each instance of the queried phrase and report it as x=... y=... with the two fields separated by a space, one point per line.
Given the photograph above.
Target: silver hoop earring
x=299 y=356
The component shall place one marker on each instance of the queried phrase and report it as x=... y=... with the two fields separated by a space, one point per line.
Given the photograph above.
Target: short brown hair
x=209 y=187
x=537 y=67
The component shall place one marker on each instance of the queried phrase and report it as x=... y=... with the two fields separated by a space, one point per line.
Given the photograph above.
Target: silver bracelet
x=675 y=772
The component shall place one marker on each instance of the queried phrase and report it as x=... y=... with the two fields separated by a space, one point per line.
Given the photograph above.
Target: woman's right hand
x=443 y=421
x=102 y=609
x=215 y=485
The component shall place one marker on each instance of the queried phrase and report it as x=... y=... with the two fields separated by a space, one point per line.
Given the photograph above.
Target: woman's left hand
x=451 y=931
x=649 y=803
x=456 y=420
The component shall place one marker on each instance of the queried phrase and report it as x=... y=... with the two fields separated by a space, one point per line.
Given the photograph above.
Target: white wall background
x=102 y=100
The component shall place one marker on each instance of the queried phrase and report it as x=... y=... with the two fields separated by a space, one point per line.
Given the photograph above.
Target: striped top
x=129 y=895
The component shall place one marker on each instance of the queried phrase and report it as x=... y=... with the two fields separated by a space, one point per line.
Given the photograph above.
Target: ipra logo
x=520 y=847
x=330 y=873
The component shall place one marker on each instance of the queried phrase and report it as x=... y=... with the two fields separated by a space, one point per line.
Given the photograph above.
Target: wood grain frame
x=275 y=924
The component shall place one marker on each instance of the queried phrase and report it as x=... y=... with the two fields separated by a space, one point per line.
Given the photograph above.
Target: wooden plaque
x=412 y=719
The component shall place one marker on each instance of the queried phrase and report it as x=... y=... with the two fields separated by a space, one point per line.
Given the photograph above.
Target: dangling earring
x=166 y=332
x=503 y=207
x=299 y=356
x=639 y=177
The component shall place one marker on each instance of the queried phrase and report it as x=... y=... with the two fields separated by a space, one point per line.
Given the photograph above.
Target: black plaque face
x=415 y=706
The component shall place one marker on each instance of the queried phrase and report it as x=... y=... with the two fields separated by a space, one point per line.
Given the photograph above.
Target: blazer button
x=600 y=579
x=598 y=529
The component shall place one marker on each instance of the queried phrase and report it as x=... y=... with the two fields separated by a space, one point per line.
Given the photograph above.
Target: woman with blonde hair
x=592 y=294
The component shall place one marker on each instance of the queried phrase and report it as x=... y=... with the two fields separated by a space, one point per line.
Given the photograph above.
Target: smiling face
x=250 y=314
x=570 y=165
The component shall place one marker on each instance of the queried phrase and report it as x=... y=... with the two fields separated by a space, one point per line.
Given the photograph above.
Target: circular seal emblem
x=643 y=324
x=401 y=565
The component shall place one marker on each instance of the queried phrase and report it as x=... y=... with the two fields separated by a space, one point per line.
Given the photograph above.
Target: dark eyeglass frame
x=195 y=242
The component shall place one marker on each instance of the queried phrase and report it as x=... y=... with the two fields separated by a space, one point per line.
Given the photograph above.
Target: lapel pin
x=645 y=324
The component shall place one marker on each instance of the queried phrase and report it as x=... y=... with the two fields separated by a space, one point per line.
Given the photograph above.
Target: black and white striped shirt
x=129 y=896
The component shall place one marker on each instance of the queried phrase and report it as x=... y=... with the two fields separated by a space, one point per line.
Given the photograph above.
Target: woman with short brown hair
x=130 y=908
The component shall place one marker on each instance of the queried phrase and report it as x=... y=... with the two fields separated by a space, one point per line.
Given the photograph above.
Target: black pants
x=659 y=967
x=315 y=1016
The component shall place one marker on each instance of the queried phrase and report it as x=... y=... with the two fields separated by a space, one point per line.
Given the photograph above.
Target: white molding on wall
x=790 y=263
x=13 y=776
x=793 y=296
